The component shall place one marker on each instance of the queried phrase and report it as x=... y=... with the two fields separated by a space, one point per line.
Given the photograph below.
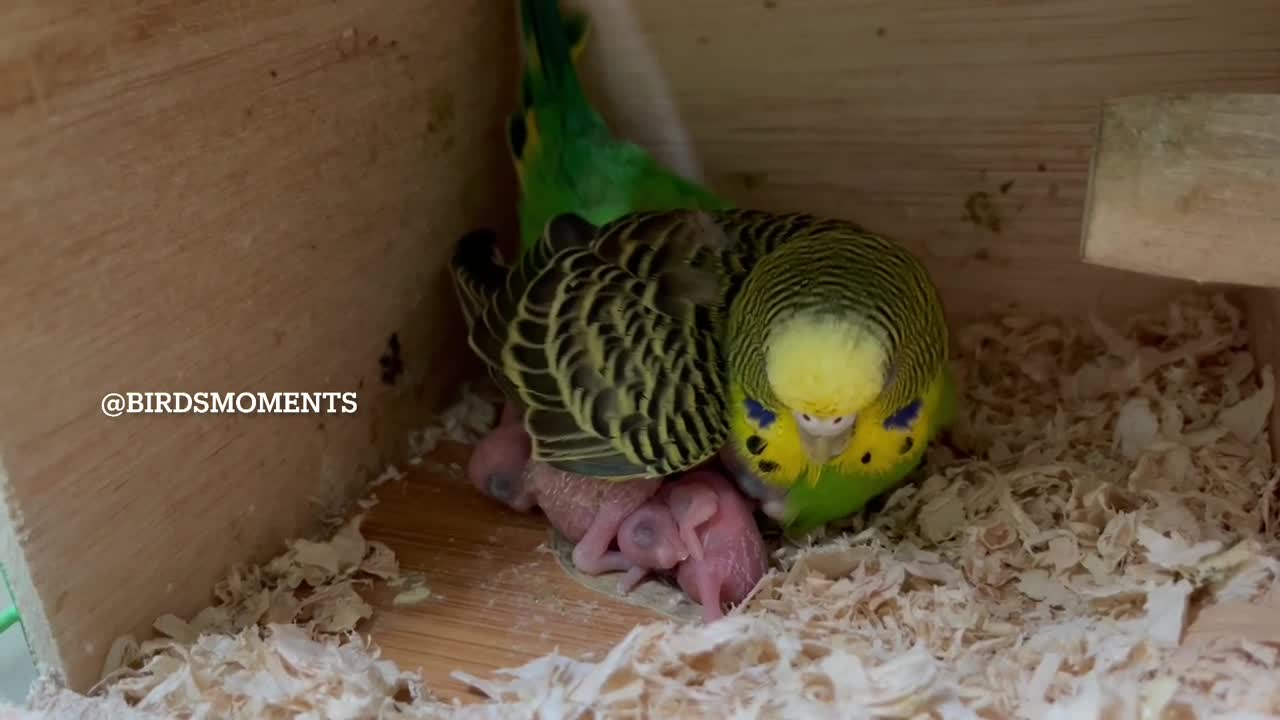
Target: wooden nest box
x=262 y=197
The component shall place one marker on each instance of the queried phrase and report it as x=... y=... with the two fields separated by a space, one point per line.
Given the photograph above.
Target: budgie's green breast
x=885 y=449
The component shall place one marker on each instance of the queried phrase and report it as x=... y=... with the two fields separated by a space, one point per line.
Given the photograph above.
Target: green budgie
x=814 y=350
x=566 y=159
x=838 y=358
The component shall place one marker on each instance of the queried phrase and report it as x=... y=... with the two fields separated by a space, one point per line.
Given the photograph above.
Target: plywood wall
x=239 y=196
x=963 y=126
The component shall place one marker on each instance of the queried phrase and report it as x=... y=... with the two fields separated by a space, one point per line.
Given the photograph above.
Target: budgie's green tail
x=566 y=158
x=552 y=46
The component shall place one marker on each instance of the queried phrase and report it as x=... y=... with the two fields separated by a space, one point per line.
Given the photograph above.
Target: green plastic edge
x=8 y=617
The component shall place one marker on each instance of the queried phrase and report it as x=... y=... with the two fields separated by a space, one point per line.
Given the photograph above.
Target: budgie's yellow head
x=825 y=369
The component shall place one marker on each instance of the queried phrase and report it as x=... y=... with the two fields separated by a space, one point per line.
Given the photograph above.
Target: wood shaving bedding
x=312 y=582
x=464 y=423
x=1105 y=547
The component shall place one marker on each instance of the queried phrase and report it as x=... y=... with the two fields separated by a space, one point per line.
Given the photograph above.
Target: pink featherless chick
x=499 y=464
x=727 y=554
x=587 y=511
x=650 y=540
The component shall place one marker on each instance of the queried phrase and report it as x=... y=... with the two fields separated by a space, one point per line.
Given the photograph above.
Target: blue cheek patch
x=759 y=415
x=903 y=419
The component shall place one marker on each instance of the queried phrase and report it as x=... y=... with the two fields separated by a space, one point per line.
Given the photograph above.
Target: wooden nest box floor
x=499 y=596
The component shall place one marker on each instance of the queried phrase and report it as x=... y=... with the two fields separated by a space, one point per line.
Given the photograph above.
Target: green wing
x=613 y=344
x=612 y=337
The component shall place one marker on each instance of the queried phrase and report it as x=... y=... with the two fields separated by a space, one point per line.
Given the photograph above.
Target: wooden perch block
x=1187 y=186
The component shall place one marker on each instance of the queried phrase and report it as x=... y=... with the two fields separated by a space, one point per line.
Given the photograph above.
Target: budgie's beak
x=824 y=438
x=822 y=448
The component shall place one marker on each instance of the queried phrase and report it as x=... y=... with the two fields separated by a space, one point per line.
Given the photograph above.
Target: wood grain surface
x=965 y=127
x=1188 y=186
x=222 y=196
x=499 y=596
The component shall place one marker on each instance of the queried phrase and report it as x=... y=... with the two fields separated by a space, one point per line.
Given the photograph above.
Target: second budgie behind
x=566 y=158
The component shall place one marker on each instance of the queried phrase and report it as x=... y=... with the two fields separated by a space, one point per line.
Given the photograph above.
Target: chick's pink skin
x=650 y=540
x=510 y=414
x=734 y=556
x=588 y=512
x=499 y=464
x=691 y=505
